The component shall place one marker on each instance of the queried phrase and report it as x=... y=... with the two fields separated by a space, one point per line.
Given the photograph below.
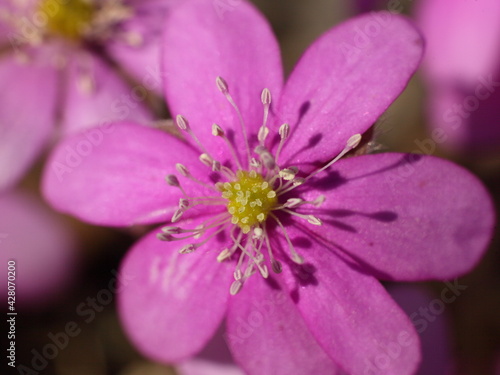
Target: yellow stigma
x=250 y=198
x=69 y=20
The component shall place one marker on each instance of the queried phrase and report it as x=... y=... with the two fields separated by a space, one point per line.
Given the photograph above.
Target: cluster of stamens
x=74 y=20
x=251 y=196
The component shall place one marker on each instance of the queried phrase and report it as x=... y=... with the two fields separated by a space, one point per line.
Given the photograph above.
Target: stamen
x=218 y=131
x=235 y=287
x=284 y=132
x=293 y=202
x=351 y=143
x=172 y=180
x=223 y=88
x=276 y=266
x=182 y=170
x=224 y=254
x=264 y=130
x=266 y=157
x=310 y=218
x=183 y=125
x=288 y=174
x=188 y=248
x=177 y=215
x=185 y=172
x=295 y=256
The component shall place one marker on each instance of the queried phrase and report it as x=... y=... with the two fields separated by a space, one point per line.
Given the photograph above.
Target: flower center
x=70 y=20
x=250 y=199
x=251 y=195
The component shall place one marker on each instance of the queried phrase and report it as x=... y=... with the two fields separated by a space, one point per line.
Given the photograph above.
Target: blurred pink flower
x=269 y=200
x=41 y=246
x=215 y=359
x=429 y=315
x=63 y=62
x=462 y=66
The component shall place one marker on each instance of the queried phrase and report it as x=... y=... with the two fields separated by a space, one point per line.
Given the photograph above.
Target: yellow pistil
x=69 y=20
x=250 y=198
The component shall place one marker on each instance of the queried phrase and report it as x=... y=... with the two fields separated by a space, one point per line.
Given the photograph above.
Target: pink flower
x=430 y=316
x=462 y=67
x=60 y=65
x=286 y=251
x=41 y=247
x=214 y=359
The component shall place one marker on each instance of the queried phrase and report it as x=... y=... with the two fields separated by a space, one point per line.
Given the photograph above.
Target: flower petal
x=452 y=128
x=171 y=304
x=462 y=38
x=139 y=48
x=466 y=120
x=351 y=315
x=27 y=113
x=267 y=335
x=344 y=82
x=41 y=246
x=198 y=366
x=96 y=95
x=404 y=216
x=229 y=40
x=115 y=175
x=214 y=359
x=426 y=313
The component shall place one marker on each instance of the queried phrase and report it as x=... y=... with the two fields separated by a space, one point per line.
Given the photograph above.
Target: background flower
x=74 y=77
x=42 y=247
x=462 y=67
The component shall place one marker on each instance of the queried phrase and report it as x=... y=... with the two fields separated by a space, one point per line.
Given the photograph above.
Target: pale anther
x=183 y=204
x=314 y=220
x=182 y=169
x=182 y=122
x=265 y=97
x=298 y=181
x=319 y=201
x=216 y=166
x=293 y=202
x=177 y=215
x=206 y=159
x=217 y=130
x=284 y=131
x=187 y=249
x=164 y=237
x=255 y=163
x=298 y=258
x=235 y=287
x=224 y=254
x=221 y=84
x=264 y=272
x=354 y=141
x=288 y=174
x=171 y=230
x=237 y=274
x=263 y=132
x=257 y=232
